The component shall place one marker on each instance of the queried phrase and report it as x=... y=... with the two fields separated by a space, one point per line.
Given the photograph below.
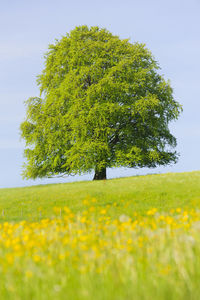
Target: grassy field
x=163 y=191
x=129 y=238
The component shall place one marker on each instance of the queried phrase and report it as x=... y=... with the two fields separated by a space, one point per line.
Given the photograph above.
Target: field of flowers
x=91 y=254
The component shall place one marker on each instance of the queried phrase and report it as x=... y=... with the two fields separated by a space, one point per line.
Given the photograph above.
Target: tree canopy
x=103 y=103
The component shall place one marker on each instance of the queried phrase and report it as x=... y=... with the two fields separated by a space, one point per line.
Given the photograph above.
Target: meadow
x=128 y=238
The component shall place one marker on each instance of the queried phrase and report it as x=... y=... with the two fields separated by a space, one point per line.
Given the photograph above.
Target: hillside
x=124 y=195
x=129 y=238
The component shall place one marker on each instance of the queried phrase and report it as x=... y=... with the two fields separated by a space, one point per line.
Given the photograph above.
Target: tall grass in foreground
x=91 y=255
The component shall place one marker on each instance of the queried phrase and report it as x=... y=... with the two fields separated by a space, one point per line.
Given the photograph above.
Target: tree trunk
x=100 y=175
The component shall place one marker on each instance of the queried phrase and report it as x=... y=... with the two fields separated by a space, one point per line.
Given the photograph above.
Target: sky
x=170 y=29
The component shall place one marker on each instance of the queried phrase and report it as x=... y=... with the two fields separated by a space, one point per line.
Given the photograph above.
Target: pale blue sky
x=170 y=29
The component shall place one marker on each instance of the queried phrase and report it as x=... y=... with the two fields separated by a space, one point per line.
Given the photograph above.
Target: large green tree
x=102 y=104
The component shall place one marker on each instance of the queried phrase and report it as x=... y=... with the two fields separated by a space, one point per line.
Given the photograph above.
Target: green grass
x=115 y=247
x=164 y=191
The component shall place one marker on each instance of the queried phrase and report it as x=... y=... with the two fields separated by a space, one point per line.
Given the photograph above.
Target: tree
x=102 y=104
